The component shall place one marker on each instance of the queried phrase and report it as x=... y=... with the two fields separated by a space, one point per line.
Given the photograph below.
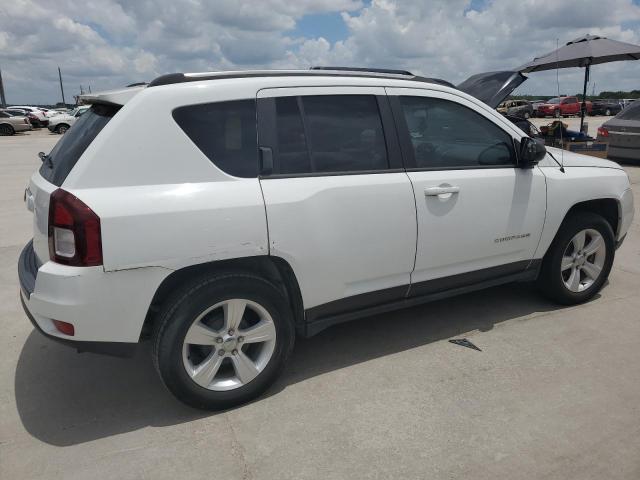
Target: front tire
x=62 y=128
x=579 y=259
x=223 y=340
x=557 y=114
x=608 y=112
x=6 y=130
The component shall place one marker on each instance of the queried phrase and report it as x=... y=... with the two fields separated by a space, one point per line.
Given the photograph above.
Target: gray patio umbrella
x=583 y=52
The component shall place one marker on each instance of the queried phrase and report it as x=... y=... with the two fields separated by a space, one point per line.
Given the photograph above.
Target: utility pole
x=3 y=101
x=61 y=89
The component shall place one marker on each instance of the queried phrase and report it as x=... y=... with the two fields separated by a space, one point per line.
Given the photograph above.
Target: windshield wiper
x=46 y=158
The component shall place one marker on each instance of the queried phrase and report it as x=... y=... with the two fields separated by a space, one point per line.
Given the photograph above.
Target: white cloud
x=108 y=43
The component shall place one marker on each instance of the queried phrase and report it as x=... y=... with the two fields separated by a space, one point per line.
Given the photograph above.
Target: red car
x=561 y=107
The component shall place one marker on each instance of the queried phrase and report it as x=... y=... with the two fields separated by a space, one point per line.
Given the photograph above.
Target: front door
x=479 y=215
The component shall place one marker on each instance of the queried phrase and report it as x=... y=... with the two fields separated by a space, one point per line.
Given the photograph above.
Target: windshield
x=554 y=100
x=72 y=145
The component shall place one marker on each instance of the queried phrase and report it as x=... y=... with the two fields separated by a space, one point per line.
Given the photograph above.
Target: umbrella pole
x=583 y=110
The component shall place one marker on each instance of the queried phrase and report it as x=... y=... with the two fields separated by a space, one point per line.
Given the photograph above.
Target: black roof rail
x=172 y=78
x=363 y=69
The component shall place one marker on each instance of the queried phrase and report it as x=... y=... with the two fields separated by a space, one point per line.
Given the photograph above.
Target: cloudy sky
x=109 y=43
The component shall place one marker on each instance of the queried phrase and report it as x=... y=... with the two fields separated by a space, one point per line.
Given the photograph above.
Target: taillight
x=74 y=231
x=64 y=327
x=603 y=132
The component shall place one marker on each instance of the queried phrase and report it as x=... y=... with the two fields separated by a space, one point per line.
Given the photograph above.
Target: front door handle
x=435 y=191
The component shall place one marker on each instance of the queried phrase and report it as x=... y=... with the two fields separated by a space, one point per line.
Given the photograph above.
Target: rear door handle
x=434 y=191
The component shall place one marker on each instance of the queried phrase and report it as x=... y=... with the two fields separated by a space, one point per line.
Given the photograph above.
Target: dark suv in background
x=606 y=107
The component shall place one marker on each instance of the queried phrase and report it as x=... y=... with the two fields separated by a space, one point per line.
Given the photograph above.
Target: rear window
x=72 y=145
x=225 y=132
x=632 y=112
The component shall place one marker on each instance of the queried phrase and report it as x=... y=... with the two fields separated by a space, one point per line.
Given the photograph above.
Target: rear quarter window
x=225 y=132
x=74 y=142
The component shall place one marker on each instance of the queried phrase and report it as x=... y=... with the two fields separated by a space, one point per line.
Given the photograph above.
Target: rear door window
x=225 y=132
x=74 y=142
x=329 y=134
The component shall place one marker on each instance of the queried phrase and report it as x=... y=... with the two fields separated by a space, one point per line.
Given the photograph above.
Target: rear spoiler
x=116 y=97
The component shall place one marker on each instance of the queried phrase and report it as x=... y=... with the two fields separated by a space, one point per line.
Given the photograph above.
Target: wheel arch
x=7 y=124
x=275 y=269
x=608 y=208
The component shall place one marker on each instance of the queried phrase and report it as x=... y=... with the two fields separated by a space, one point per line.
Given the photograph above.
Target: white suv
x=222 y=214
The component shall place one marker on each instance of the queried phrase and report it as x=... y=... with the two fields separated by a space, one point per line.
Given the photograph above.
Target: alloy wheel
x=583 y=260
x=229 y=344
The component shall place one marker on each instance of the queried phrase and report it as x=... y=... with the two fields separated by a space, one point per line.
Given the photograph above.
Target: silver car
x=10 y=124
x=622 y=133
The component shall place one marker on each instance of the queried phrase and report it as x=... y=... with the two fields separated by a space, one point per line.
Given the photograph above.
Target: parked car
x=38 y=118
x=561 y=107
x=536 y=103
x=62 y=122
x=31 y=117
x=10 y=124
x=627 y=101
x=518 y=108
x=223 y=214
x=622 y=133
x=606 y=107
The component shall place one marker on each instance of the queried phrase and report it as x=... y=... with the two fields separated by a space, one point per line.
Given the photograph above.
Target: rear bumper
x=107 y=309
x=625 y=153
x=116 y=349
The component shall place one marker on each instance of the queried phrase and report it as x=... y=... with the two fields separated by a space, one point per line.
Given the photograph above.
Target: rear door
x=340 y=208
x=479 y=216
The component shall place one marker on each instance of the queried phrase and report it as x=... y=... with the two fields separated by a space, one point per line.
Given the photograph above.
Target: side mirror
x=531 y=152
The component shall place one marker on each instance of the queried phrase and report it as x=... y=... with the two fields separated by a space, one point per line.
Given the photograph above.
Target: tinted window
x=445 y=134
x=72 y=145
x=632 y=112
x=225 y=132
x=292 y=153
x=340 y=133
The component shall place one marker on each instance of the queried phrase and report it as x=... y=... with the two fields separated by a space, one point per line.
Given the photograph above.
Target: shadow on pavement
x=65 y=399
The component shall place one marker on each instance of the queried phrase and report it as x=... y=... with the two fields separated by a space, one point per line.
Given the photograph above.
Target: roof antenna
x=561 y=123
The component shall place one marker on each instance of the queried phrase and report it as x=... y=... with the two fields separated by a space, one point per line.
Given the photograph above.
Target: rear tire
x=231 y=361
x=579 y=259
x=527 y=115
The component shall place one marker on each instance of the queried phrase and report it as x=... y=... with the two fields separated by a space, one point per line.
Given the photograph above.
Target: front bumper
x=107 y=309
